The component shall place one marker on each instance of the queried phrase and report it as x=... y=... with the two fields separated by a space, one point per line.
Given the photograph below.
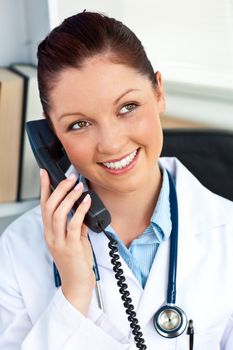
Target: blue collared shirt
x=140 y=255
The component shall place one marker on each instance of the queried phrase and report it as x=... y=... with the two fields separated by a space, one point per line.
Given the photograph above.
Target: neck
x=131 y=211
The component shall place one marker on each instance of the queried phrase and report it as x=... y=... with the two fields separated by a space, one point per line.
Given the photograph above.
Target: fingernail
x=42 y=172
x=71 y=177
x=78 y=186
x=86 y=198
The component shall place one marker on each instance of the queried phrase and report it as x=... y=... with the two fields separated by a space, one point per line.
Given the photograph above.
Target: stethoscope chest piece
x=170 y=321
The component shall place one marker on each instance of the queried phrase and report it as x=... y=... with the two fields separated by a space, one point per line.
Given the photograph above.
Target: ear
x=160 y=93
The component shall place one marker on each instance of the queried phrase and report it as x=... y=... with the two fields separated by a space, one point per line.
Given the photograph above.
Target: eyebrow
x=124 y=93
x=115 y=102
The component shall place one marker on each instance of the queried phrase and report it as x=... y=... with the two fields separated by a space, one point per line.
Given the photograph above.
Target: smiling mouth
x=123 y=163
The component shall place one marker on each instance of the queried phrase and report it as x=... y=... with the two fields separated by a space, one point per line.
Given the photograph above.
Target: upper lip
x=118 y=159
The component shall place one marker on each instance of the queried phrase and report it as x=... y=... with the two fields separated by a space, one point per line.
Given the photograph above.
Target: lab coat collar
x=199 y=211
x=196 y=203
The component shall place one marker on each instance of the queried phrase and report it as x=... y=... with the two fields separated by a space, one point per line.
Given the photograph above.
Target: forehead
x=100 y=70
x=98 y=80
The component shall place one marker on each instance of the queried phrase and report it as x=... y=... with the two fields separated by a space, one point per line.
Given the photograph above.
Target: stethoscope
x=170 y=320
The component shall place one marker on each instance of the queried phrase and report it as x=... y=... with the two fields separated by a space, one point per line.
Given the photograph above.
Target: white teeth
x=121 y=163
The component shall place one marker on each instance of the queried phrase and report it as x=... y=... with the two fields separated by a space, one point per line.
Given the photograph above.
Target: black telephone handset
x=50 y=155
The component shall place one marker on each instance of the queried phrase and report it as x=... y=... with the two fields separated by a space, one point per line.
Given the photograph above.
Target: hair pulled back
x=83 y=36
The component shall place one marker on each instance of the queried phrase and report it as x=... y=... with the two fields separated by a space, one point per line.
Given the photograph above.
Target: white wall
x=13 y=34
x=37 y=18
x=110 y=7
x=23 y=24
x=190 y=41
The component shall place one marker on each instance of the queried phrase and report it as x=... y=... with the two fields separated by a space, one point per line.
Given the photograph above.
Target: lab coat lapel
x=190 y=251
x=155 y=292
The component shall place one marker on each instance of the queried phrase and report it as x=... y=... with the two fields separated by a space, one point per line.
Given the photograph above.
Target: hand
x=67 y=240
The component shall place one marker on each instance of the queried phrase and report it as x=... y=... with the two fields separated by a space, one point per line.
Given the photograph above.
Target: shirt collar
x=160 y=222
x=161 y=217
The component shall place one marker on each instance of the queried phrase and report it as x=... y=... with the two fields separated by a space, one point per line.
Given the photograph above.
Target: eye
x=79 y=125
x=128 y=108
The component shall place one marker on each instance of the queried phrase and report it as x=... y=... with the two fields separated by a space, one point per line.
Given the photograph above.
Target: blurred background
x=189 y=41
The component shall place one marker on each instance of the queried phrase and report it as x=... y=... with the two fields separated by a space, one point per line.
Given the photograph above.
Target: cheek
x=78 y=153
x=150 y=130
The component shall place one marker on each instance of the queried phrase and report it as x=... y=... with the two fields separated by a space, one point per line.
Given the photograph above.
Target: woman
x=104 y=101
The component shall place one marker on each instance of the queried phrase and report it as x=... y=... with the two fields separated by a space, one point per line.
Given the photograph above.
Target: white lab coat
x=34 y=315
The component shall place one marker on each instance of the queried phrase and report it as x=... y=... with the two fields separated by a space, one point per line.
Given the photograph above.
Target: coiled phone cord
x=125 y=295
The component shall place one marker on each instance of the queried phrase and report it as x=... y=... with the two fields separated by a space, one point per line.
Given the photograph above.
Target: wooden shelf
x=171 y=122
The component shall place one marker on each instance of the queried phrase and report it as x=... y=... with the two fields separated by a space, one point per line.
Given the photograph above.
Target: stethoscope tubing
x=171 y=290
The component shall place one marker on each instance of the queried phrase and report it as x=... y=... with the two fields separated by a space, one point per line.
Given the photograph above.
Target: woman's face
x=106 y=115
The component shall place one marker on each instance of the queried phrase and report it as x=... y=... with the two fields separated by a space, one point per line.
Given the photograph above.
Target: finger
x=50 y=202
x=60 y=192
x=74 y=227
x=54 y=200
x=61 y=214
x=44 y=186
x=84 y=230
x=45 y=194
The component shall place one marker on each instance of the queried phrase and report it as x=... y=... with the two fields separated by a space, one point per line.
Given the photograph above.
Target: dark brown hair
x=80 y=37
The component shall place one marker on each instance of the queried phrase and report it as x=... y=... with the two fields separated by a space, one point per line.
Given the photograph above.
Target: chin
x=126 y=185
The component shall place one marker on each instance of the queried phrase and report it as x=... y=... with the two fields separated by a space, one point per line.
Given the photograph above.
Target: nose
x=112 y=139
